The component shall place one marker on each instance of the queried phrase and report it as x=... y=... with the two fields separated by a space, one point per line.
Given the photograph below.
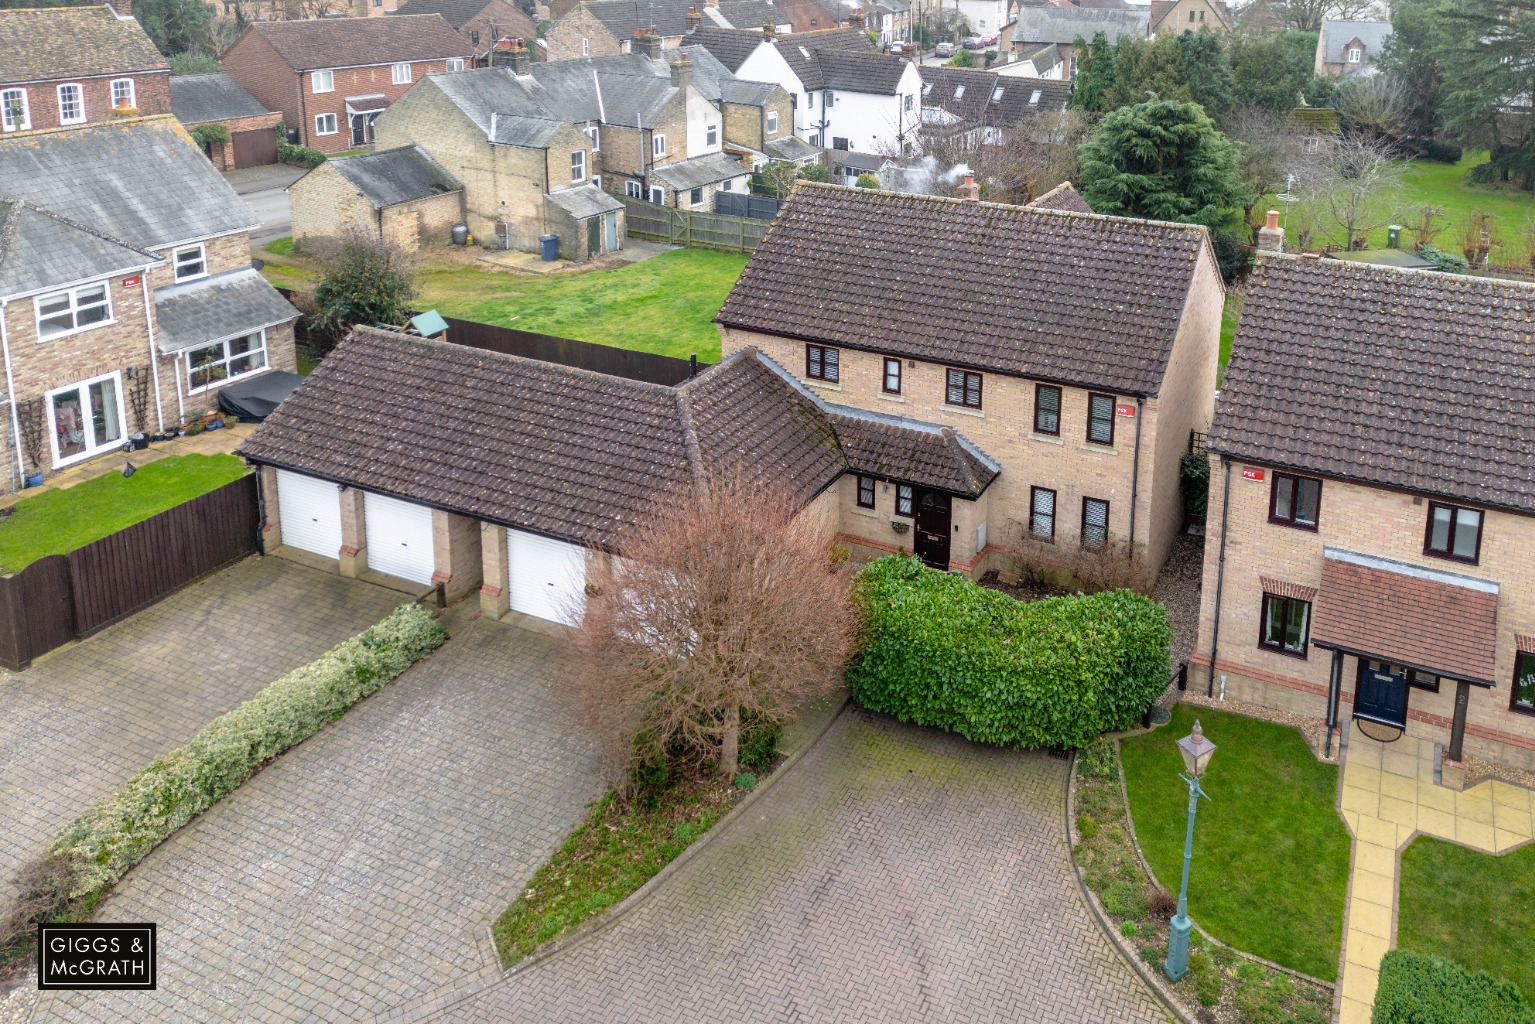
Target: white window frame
x=726 y=185
x=1355 y=55
x=85 y=385
x=132 y=95
x=578 y=166
x=658 y=144
x=455 y=64
x=772 y=122
x=24 y=122
x=711 y=135
x=317 y=77
x=633 y=190
x=320 y=119
x=192 y=368
x=74 y=309
x=586 y=47
x=595 y=134
x=198 y=255
x=909 y=101
x=700 y=193
x=596 y=181
x=400 y=73
x=658 y=195
x=79 y=94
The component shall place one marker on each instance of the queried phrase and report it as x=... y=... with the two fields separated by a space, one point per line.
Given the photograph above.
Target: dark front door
x=1380 y=694
x=932 y=542
x=593 y=236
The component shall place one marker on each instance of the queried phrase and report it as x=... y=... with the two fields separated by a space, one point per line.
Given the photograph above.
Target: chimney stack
x=682 y=72
x=122 y=8
x=969 y=190
x=856 y=18
x=1271 y=235
x=693 y=19
x=520 y=59
x=646 y=42
x=768 y=28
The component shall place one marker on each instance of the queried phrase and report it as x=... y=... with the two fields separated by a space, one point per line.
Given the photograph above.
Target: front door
x=87 y=419
x=932 y=541
x=593 y=236
x=1380 y=693
x=610 y=222
x=362 y=129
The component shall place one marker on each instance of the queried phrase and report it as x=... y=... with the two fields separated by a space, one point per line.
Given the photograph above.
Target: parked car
x=945 y=50
x=989 y=40
x=972 y=43
x=896 y=47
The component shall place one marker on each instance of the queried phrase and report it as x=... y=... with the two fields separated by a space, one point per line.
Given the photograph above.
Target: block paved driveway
x=87 y=718
x=895 y=874
x=360 y=871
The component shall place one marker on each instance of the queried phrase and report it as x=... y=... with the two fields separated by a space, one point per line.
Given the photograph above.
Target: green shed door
x=593 y=235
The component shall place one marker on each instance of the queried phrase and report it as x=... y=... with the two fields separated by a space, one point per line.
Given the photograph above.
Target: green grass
x=281 y=246
x=1229 y=316
x=1270 y=864
x=58 y=521
x=665 y=304
x=1473 y=908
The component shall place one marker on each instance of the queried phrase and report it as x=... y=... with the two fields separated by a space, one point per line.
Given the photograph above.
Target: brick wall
x=565 y=37
x=255 y=65
x=747 y=125
x=223 y=154
x=152 y=93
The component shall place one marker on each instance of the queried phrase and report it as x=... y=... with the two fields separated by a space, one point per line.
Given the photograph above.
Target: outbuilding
x=399 y=195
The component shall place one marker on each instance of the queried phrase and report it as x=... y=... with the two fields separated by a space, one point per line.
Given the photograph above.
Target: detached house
x=1350 y=47
x=1066 y=390
x=77 y=65
x=601 y=28
x=990 y=106
x=1372 y=506
x=1040 y=27
x=127 y=298
x=1175 y=17
x=331 y=79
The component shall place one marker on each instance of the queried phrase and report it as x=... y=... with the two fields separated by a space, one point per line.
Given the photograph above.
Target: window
x=1453 y=532
x=815 y=139
x=1100 y=419
x=1310 y=144
x=455 y=63
x=632 y=189
x=866 y=492
x=322 y=81
x=225 y=360
x=1047 y=410
x=903 y=499
x=1042 y=513
x=123 y=93
x=1355 y=55
x=772 y=122
x=325 y=124
x=14 y=113
x=75 y=310
x=190 y=262
x=821 y=363
x=474 y=37
x=1201 y=15
x=696 y=197
x=578 y=166
x=712 y=135
x=1295 y=501
x=964 y=389
x=726 y=186
x=87 y=419
x=658 y=195
x=837 y=142
x=892 y=376
x=71 y=104
x=1423 y=681
x=908 y=102
x=1286 y=621
x=1073 y=65
x=586 y=47
x=399 y=74
x=809 y=101
x=658 y=145
x=1095 y=522
x=593 y=133
x=959 y=92
x=1523 y=697
x=596 y=181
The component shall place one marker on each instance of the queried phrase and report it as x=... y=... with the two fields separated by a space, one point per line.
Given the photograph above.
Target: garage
x=399 y=538
x=547 y=578
x=309 y=513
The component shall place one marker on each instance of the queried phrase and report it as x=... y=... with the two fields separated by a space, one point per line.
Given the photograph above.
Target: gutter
x=1220 y=576
x=1135 y=475
x=10 y=397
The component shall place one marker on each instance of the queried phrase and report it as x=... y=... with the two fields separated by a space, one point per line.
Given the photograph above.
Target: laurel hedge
x=1419 y=989
x=939 y=650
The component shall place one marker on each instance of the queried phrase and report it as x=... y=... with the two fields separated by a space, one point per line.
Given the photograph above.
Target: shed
x=588 y=220
x=217 y=99
x=401 y=195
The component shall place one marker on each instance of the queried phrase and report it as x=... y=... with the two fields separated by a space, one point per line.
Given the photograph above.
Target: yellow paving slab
x=1503 y=840
x=1396 y=762
x=1360 y=983
x=1369 y=918
x=1473 y=806
x=1401 y=812
x=1435 y=797
x=1504 y=795
x=1507 y=819
x=1370 y=887
x=1475 y=833
x=1355 y=1011
x=1375 y=830
x=1398 y=786
x=1362 y=777
x=1351 y=818
x=1436 y=823
x=1362 y=753
x=1365 y=801
x=1380 y=860
x=1366 y=950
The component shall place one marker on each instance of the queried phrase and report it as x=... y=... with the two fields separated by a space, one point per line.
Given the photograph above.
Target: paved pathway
x=1388 y=797
x=85 y=719
x=895 y=874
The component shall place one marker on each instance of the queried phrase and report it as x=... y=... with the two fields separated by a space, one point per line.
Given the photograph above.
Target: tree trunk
x=730 y=746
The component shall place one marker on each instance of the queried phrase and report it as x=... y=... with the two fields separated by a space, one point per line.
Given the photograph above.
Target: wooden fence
x=60 y=597
x=698 y=230
x=620 y=362
x=741 y=204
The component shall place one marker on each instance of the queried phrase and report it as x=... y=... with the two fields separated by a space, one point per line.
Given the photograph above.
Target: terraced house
x=1372 y=506
x=1063 y=357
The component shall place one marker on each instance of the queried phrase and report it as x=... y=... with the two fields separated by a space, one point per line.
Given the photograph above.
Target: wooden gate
x=691 y=228
x=254 y=148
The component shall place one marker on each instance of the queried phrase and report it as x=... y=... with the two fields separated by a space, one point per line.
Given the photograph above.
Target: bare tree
x=1267 y=148
x=1308 y=15
x=1352 y=187
x=724 y=609
x=1425 y=223
x=1013 y=164
x=1375 y=105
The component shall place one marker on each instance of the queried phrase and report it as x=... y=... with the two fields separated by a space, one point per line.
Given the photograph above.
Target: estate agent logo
x=95 y=956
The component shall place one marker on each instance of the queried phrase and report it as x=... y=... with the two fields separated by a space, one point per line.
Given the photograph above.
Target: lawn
x=59 y=520
x=1473 y=908
x=1229 y=317
x=1270 y=864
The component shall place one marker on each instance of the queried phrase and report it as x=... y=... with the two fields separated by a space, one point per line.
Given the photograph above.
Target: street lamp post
x=1196 y=751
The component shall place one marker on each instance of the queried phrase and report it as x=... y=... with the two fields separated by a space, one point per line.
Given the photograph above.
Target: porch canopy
x=1428 y=619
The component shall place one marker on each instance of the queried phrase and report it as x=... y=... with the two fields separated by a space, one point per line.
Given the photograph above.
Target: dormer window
x=1355 y=55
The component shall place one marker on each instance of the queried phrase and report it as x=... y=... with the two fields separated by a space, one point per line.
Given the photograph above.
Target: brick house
x=987 y=107
x=1037 y=27
x=1077 y=375
x=127 y=298
x=481 y=23
x=217 y=99
x=1371 y=519
x=399 y=195
x=1349 y=47
x=1175 y=17
x=77 y=65
x=331 y=79
x=602 y=28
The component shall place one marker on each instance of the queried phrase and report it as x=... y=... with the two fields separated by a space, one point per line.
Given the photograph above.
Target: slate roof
x=669 y=17
x=142 y=180
x=730 y=47
x=699 y=171
x=1083 y=300
x=394 y=176
x=459 y=13
x=1046 y=57
x=213 y=308
x=1065 y=24
x=198 y=99
x=72 y=42
x=1404 y=379
x=800 y=49
x=528 y=132
x=1337 y=34
x=983 y=97
x=912 y=451
x=584 y=201
x=41 y=250
x=790 y=147
x=1062 y=197
x=350 y=42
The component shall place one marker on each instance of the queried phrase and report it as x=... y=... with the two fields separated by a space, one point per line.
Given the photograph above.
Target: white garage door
x=309 y=512
x=548 y=577
x=399 y=538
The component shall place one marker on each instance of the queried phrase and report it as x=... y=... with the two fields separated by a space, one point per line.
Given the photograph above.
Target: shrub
x=759 y=745
x=1125 y=899
x=867 y=181
x=1100 y=761
x=1419 y=989
x=746 y=780
x=1448 y=262
x=299 y=156
x=1129 y=929
x=1440 y=151
x=1206 y=978
x=1162 y=903
x=1087 y=828
x=939 y=650
x=204 y=134
x=119 y=831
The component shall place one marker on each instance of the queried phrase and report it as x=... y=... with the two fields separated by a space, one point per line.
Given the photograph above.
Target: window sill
x=888 y=397
x=960 y=410
x=1047 y=439
x=1287 y=524
x=77 y=330
x=1101 y=449
x=1452 y=558
x=823 y=385
x=1515 y=709
x=1043 y=540
x=223 y=383
x=1297 y=655
x=872 y=513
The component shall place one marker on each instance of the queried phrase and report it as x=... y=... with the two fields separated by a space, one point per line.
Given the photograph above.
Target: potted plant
x=32 y=418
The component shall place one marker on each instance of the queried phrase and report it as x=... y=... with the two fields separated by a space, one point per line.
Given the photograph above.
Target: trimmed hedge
x=1419 y=989
x=118 y=832
x=940 y=650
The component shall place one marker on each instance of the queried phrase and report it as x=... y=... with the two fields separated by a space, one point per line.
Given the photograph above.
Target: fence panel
x=36 y=611
x=696 y=229
x=739 y=204
x=620 y=362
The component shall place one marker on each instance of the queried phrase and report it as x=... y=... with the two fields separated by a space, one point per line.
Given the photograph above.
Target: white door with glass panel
x=86 y=419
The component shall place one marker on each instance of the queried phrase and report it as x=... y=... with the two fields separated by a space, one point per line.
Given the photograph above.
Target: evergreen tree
x=1410 y=55
x=1207 y=71
x=1095 y=74
x=1271 y=71
x=1144 y=66
x=1486 y=49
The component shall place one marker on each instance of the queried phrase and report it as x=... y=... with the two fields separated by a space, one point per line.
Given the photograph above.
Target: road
x=264 y=190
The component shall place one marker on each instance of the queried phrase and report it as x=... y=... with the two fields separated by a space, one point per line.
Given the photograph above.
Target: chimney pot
x=693 y=19
x=682 y=72
x=1273 y=220
x=767 y=31
x=1271 y=235
x=520 y=60
x=646 y=42
x=969 y=191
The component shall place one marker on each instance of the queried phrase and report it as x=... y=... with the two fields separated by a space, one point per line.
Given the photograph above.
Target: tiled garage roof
x=911 y=451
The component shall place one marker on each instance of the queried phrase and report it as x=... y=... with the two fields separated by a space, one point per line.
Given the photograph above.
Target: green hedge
x=940 y=650
x=299 y=156
x=1419 y=989
x=117 y=833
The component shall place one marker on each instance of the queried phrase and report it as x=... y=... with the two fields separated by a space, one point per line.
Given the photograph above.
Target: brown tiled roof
x=1082 y=300
x=346 y=42
x=1062 y=197
x=1407 y=615
x=70 y=42
x=849 y=71
x=1405 y=379
x=911 y=452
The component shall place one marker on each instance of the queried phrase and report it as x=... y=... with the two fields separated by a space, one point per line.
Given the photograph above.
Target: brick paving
x=895 y=874
x=85 y=719
x=361 y=870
